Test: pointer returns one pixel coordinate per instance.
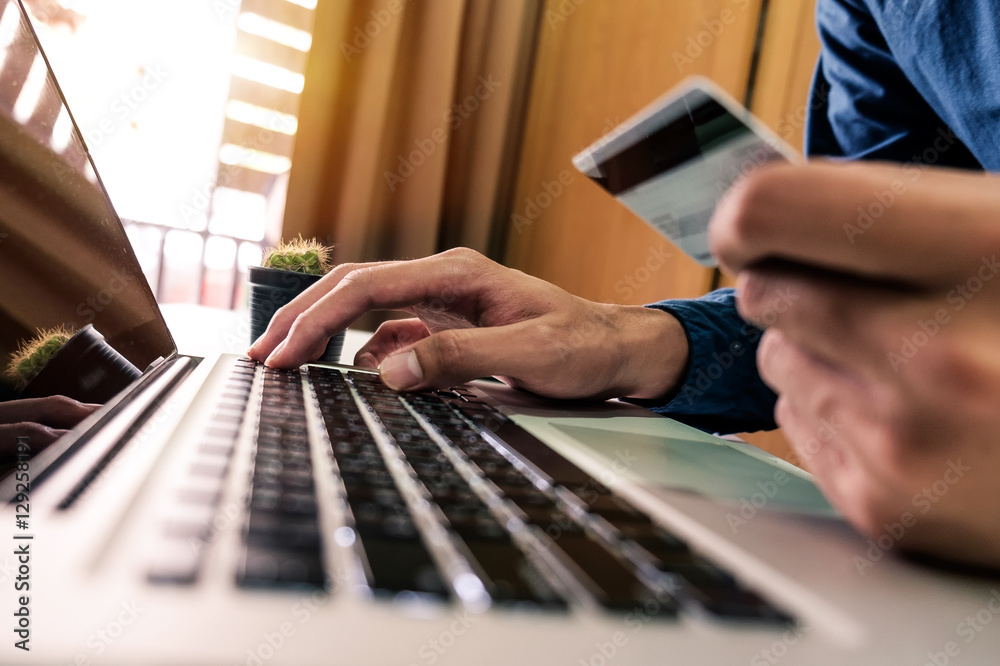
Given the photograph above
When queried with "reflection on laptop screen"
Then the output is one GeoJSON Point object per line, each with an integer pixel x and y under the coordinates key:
{"type": "Point", "coordinates": [65, 259]}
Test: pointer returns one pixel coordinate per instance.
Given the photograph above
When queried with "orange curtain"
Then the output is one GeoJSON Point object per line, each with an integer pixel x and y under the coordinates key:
{"type": "Point", "coordinates": [409, 125]}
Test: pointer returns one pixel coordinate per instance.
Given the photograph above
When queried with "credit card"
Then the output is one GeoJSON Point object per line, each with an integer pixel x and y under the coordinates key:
{"type": "Point", "coordinates": [672, 162]}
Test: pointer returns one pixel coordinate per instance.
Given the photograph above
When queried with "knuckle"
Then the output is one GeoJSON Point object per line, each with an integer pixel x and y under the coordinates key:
{"type": "Point", "coordinates": [301, 326]}
{"type": "Point", "coordinates": [463, 253]}
{"type": "Point", "coordinates": [356, 276]}
{"type": "Point", "coordinates": [60, 401]}
{"type": "Point", "coordinates": [350, 267]}
{"type": "Point", "coordinates": [361, 280]}
{"type": "Point", "coordinates": [65, 404]}
{"type": "Point", "coordinates": [464, 263]}
{"type": "Point", "coordinates": [953, 369]}
{"type": "Point", "coordinates": [54, 405]}
{"type": "Point", "coordinates": [283, 318]}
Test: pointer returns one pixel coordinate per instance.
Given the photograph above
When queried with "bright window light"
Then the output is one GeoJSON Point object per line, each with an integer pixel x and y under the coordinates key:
{"type": "Point", "coordinates": [250, 255]}
{"type": "Point", "coordinates": [83, 7]}
{"type": "Point", "coordinates": [268, 74]}
{"type": "Point", "coordinates": [256, 24]}
{"type": "Point", "coordinates": [32, 90]}
{"type": "Point", "coordinates": [8, 29]}
{"type": "Point", "coordinates": [308, 4]}
{"type": "Point", "coordinates": [238, 213]}
{"type": "Point", "coordinates": [220, 253]}
{"type": "Point", "coordinates": [61, 131]}
{"type": "Point", "coordinates": [88, 172]}
{"type": "Point", "coordinates": [182, 247]}
{"type": "Point", "coordinates": [253, 159]}
{"type": "Point", "coordinates": [260, 116]}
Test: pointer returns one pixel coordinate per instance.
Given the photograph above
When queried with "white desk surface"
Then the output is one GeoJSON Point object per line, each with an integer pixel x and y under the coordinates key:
{"type": "Point", "coordinates": [202, 331]}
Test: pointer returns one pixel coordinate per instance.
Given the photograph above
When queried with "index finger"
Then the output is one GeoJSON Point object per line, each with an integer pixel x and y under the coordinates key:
{"type": "Point", "coordinates": [910, 224]}
{"type": "Point", "coordinates": [443, 278]}
{"type": "Point", "coordinates": [283, 319]}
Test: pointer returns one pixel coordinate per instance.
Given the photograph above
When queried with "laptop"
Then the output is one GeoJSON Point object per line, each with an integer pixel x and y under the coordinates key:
{"type": "Point", "coordinates": [218, 512]}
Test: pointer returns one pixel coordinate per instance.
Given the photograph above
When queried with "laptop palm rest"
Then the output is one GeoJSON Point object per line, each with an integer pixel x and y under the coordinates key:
{"type": "Point", "coordinates": [650, 452]}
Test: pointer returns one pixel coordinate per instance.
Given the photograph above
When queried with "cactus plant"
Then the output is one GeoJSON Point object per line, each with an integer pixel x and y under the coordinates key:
{"type": "Point", "coordinates": [301, 256]}
{"type": "Point", "coordinates": [78, 364]}
{"type": "Point", "coordinates": [32, 355]}
{"type": "Point", "coordinates": [288, 270]}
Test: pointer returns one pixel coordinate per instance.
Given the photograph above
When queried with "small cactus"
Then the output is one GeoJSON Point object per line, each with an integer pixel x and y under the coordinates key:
{"type": "Point", "coordinates": [32, 355]}
{"type": "Point", "coordinates": [301, 256]}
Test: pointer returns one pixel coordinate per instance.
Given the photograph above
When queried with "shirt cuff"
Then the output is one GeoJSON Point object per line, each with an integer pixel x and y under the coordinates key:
{"type": "Point", "coordinates": [722, 390]}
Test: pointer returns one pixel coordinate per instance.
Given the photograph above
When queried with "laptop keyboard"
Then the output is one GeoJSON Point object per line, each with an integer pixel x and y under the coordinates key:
{"type": "Point", "coordinates": [445, 498]}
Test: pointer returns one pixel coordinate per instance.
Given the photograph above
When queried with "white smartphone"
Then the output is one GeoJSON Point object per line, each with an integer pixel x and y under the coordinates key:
{"type": "Point", "coordinates": [671, 162]}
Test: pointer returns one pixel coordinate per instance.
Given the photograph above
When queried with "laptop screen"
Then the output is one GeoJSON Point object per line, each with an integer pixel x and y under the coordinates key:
{"type": "Point", "coordinates": [65, 260]}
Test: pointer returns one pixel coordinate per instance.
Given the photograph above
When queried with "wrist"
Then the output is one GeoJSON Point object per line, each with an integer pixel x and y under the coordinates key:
{"type": "Point", "coordinates": [653, 352]}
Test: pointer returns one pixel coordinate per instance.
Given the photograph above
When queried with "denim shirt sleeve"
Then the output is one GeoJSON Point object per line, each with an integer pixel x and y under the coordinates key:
{"type": "Point", "coordinates": [911, 81]}
{"type": "Point", "coordinates": [722, 390]}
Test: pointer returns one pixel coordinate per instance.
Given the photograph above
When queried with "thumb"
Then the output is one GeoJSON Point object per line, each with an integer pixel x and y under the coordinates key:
{"type": "Point", "coordinates": [453, 356]}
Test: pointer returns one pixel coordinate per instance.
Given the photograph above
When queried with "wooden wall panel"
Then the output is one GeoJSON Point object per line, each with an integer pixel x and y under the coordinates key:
{"type": "Point", "coordinates": [598, 62]}
{"type": "Point", "coordinates": [787, 61]}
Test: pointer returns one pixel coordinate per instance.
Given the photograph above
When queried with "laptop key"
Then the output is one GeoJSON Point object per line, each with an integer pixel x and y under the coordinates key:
{"type": "Point", "coordinates": [267, 566]}
{"type": "Point", "coordinates": [177, 561]}
{"type": "Point", "coordinates": [737, 604]}
{"type": "Point", "coordinates": [281, 530]}
{"type": "Point", "coordinates": [617, 586]}
{"type": "Point", "coordinates": [400, 564]}
{"type": "Point", "coordinates": [510, 578]}
{"type": "Point", "coordinates": [543, 457]}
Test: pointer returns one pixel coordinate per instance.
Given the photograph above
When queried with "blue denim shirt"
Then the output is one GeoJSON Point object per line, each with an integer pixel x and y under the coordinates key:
{"type": "Point", "coordinates": [910, 81]}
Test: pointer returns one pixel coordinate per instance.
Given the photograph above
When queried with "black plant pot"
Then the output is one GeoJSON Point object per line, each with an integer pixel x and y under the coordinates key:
{"type": "Point", "coordinates": [271, 289]}
{"type": "Point", "coordinates": [86, 368]}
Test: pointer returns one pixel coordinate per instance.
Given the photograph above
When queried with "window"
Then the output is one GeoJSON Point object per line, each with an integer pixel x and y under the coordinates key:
{"type": "Point", "coordinates": [189, 108]}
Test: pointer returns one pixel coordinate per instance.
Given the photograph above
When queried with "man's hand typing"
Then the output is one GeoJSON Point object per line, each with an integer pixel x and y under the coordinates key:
{"type": "Point", "coordinates": [473, 318]}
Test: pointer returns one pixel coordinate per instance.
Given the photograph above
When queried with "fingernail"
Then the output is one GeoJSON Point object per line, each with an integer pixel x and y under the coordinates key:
{"type": "Point", "coordinates": [401, 371]}
{"type": "Point", "coordinates": [366, 360]}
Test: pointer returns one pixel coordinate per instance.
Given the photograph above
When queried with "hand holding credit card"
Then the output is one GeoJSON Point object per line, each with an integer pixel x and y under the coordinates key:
{"type": "Point", "coordinates": [672, 162]}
